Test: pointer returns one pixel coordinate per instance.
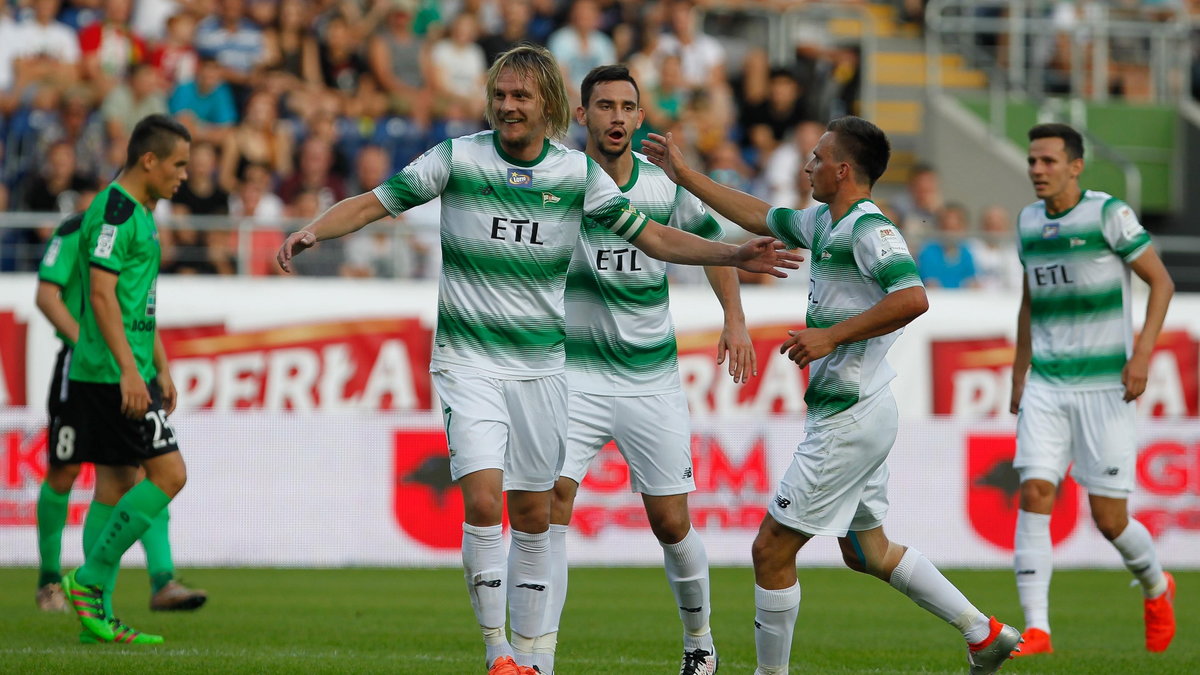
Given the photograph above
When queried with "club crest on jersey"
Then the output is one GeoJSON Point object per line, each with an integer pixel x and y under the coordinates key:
{"type": "Point", "coordinates": [548, 198]}
{"type": "Point", "coordinates": [520, 178]}
{"type": "Point", "coordinates": [1050, 231]}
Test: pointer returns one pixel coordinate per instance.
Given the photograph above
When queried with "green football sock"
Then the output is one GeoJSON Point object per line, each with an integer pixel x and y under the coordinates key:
{"type": "Point", "coordinates": [51, 519]}
{"type": "Point", "coordinates": [97, 517]}
{"type": "Point", "coordinates": [157, 543]}
{"type": "Point", "coordinates": [130, 519]}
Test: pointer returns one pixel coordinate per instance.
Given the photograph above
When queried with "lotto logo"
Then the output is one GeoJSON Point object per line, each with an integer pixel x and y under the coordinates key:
{"type": "Point", "coordinates": [522, 178]}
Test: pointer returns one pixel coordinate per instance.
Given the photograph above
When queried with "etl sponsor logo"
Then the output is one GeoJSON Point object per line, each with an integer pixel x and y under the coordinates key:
{"type": "Point", "coordinates": [973, 378]}
{"type": "Point", "coordinates": [993, 493]}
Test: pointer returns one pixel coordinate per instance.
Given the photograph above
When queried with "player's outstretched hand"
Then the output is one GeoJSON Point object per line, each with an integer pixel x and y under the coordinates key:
{"type": "Point", "coordinates": [295, 243]}
{"type": "Point", "coordinates": [663, 153]}
{"type": "Point", "coordinates": [735, 341]}
{"type": "Point", "coordinates": [807, 345]}
{"type": "Point", "coordinates": [767, 255]}
{"type": "Point", "coordinates": [135, 396]}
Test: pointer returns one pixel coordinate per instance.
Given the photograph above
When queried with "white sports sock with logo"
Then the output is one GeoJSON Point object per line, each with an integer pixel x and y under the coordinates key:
{"type": "Point", "coordinates": [775, 613]}
{"type": "Point", "coordinates": [1137, 550]}
{"type": "Point", "coordinates": [917, 578]}
{"type": "Point", "coordinates": [485, 570]}
{"type": "Point", "coordinates": [528, 586]}
{"type": "Point", "coordinates": [1033, 563]}
{"type": "Point", "coordinates": [686, 564]}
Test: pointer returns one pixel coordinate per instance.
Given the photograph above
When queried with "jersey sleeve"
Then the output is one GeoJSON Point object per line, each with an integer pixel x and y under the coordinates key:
{"type": "Point", "coordinates": [58, 262]}
{"type": "Point", "coordinates": [882, 254]}
{"type": "Point", "coordinates": [604, 205]}
{"type": "Point", "coordinates": [109, 241]}
{"type": "Point", "coordinates": [688, 214]}
{"type": "Point", "coordinates": [419, 182]}
{"type": "Point", "coordinates": [792, 227]}
{"type": "Point", "coordinates": [1122, 231]}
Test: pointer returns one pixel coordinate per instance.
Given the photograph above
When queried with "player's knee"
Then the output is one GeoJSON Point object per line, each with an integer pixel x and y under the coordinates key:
{"type": "Point", "coordinates": [1111, 525]}
{"type": "Point", "coordinates": [482, 508]}
{"type": "Point", "coordinates": [853, 561]}
{"type": "Point", "coordinates": [1037, 495]}
{"type": "Point", "coordinates": [670, 527]}
{"type": "Point", "coordinates": [61, 477]}
{"type": "Point", "coordinates": [765, 553]}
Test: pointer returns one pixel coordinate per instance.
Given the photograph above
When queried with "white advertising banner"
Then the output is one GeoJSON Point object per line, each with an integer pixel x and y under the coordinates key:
{"type": "Point", "coordinates": [372, 488]}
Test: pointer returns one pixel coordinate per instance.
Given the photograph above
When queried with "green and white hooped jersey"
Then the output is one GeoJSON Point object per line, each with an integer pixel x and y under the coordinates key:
{"type": "Point", "coordinates": [1077, 267]}
{"type": "Point", "coordinates": [508, 231]}
{"type": "Point", "coordinates": [620, 337]}
{"type": "Point", "coordinates": [854, 263]}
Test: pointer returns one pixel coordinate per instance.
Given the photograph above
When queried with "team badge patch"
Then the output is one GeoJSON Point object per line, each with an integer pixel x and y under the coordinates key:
{"type": "Point", "coordinates": [548, 198]}
{"type": "Point", "coordinates": [1050, 231]}
{"type": "Point", "coordinates": [520, 178]}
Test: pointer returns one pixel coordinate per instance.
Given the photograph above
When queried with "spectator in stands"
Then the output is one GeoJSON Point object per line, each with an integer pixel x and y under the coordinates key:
{"type": "Point", "coordinates": [339, 64]}
{"type": "Point", "coordinates": [290, 40]}
{"type": "Point", "coordinates": [57, 185]}
{"type": "Point", "coordinates": [75, 123]}
{"type": "Point", "coordinates": [175, 56]}
{"type": "Point", "coordinates": [665, 102]}
{"type": "Point", "coordinates": [400, 63]}
{"type": "Point", "coordinates": [580, 46]}
{"type": "Point", "coordinates": [516, 16]}
{"type": "Point", "coordinates": [945, 261]}
{"type": "Point", "coordinates": [235, 42]}
{"type": "Point", "coordinates": [783, 109]}
{"type": "Point", "coordinates": [205, 105]}
{"type": "Point", "coordinates": [328, 258]}
{"type": "Point", "coordinates": [260, 138]}
{"type": "Point", "coordinates": [314, 172]}
{"type": "Point", "coordinates": [187, 248]}
{"type": "Point", "coordinates": [919, 204]}
{"type": "Point", "coordinates": [752, 87]}
{"type": "Point", "coordinates": [997, 265]}
{"type": "Point", "coordinates": [260, 213]}
{"type": "Point", "coordinates": [9, 91]}
{"type": "Point", "coordinates": [458, 66]}
{"type": "Point", "coordinates": [47, 51]}
{"type": "Point", "coordinates": [139, 95]}
{"type": "Point", "coordinates": [783, 174]}
{"type": "Point", "coordinates": [110, 48]}
{"type": "Point", "coordinates": [150, 17]}
{"type": "Point", "coordinates": [702, 56]}
{"type": "Point", "coordinates": [372, 167]}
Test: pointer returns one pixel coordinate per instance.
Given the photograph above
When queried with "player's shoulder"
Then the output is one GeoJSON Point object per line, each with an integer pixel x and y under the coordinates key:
{"type": "Point", "coordinates": [868, 217]}
{"type": "Point", "coordinates": [111, 207]}
{"type": "Point", "coordinates": [70, 225]}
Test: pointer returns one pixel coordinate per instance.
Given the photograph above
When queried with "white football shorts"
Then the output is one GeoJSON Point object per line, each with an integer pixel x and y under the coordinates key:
{"type": "Point", "coordinates": [1092, 428]}
{"type": "Point", "coordinates": [653, 434]}
{"type": "Point", "coordinates": [517, 426]}
{"type": "Point", "coordinates": [837, 481]}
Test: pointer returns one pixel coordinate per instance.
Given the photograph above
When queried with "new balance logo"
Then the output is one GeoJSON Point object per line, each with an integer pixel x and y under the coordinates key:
{"type": "Point", "coordinates": [532, 587]}
{"type": "Point", "coordinates": [757, 625]}
{"type": "Point", "coordinates": [490, 583]}
{"type": "Point", "coordinates": [692, 610]}
{"type": "Point", "coordinates": [781, 502]}
{"type": "Point", "coordinates": [1026, 572]}
{"type": "Point", "coordinates": [687, 473]}
{"type": "Point", "coordinates": [486, 190]}
{"type": "Point", "coordinates": [1112, 471]}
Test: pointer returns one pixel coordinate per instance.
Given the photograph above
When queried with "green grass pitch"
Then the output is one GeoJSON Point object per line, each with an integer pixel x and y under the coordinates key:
{"type": "Point", "coordinates": [616, 621]}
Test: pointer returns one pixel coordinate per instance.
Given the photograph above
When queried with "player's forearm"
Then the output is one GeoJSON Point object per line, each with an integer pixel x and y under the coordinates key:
{"type": "Point", "coordinates": [747, 211]}
{"type": "Point", "coordinates": [160, 354]}
{"type": "Point", "coordinates": [676, 246]}
{"type": "Point", "coordinates": [347, 216]}
{"type": "Point", "coordinates": [1162, 289]}
{"type": "Point", "coordinates": [1023, 354]}
{"type": "Point", "coordinates": [51, 305]}
{"type": "Point", "coordinates": [724, 283]}
{"type": "Point", "coordinates": [112, 328]}
{"type": "Point", "coordinates": [895, 311]}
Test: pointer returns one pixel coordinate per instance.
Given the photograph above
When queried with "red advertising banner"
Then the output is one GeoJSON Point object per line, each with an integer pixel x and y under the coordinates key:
{"type": "Point", "coordinates": [973, 378]}
{"type": "Point", "coordinates": [376, 364]}
{"type": "Point", "coordinates": [12, 360]}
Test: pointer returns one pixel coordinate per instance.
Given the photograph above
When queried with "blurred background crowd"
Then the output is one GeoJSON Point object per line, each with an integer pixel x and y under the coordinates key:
{"type": "Point", "coordinates": [296, 104]}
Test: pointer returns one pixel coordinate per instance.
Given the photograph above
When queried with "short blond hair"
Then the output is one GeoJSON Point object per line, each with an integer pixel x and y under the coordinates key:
{"type": "Point", "coordinates": [535, 61]}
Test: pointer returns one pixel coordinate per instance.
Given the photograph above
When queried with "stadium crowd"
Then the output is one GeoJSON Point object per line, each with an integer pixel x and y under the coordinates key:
{"type": "Point", "coordinates": [295, 104]}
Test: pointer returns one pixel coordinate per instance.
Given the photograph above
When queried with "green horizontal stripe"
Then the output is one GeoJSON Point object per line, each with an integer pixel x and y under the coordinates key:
{"type": "Point", "coordinates": [594, 351]}
{"type": "Point", "coordinates": [523, 336]}
{"type": "Point", "coordinates": [585, 285]}
{"type": "Point", "coordinates": [483, 261]}
{"type": "Point", "coordinates": [1077, 304]}
{"type": "Point", "coordinates": [1080, 367]}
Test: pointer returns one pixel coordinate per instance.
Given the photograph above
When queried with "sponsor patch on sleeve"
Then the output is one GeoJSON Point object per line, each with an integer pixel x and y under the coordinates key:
{"type": "Point", "coordinates": [890, 241]}
{"type": "Point", "coordinates": [104, 244]}
{"type": "Point", "coordinates": [1130, 227]}
{"type": "Point", "coordinates": [52, 252]}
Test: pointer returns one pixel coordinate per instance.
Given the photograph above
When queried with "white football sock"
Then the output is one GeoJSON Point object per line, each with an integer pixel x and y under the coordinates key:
{"type": "Point", "coordinates": [547, 643]}
{"type": "Point", "coordinates": [686, 564]}
{"type": "Point", "coordinates": [1137, 550]}
{"type": "Point", "coordinates": [484, 569]}
{"type": "Point", "coordinates": [775, 613]}
{"type": "Point", "coordinates": [917, 578]}
{"type": "Point", "coordinates": [1033, 563]}
{"type": "Point", "coordinates": [528, 584]}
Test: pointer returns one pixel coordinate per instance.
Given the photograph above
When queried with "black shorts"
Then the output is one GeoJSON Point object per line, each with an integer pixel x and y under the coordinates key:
{"type": "Point", "coordinates": [56, 400]}
{"type": "Point", "coordinates": [92, 428]}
